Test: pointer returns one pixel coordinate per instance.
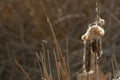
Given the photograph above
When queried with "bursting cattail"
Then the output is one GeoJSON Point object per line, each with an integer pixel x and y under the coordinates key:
{"type": "Point", "coordinates": [93, 44]}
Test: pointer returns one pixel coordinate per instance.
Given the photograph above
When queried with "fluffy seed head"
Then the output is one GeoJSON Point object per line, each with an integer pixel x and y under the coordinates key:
{"type": "Point", "coordinates": [93, 32]}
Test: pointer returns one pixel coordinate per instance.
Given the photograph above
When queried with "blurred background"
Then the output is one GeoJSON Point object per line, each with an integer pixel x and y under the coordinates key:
{"type": "Point", "coordinates": [23, 29]}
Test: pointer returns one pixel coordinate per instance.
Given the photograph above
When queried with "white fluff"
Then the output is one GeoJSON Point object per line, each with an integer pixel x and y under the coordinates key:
{"type": "Point", "coordinates": [93, 32]}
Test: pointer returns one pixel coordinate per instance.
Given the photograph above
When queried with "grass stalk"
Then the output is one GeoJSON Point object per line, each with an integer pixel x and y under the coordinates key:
{"type": "Point", "coordinates": [22, 69]}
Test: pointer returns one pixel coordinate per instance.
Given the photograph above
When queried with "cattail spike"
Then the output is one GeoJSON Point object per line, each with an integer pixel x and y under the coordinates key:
{"type": "Point", "coordinates": [88, 56]}
{"type": "Point", "coordinates": [95, 46]}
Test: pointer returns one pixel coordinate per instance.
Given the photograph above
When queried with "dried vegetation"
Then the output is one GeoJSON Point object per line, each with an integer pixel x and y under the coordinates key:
{"type": "Point", "coordinates": [25, 36]}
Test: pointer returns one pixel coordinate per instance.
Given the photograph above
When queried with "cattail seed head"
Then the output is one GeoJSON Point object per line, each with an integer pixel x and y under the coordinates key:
{"type": "Point", "coordinates": [93, 32]}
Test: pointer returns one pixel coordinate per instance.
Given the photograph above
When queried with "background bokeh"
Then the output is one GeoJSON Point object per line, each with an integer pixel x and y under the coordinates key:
{"type": "Point", "coordinates": [23, 28]}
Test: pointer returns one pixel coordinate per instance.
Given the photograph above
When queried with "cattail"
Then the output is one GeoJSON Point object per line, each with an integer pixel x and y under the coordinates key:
{"type": "Point", "coordinates": [93, 33]}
